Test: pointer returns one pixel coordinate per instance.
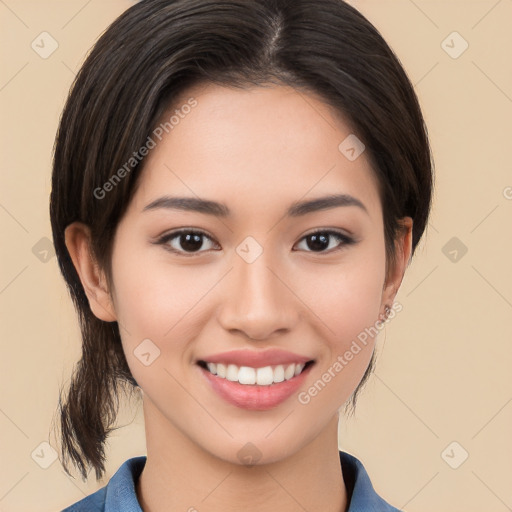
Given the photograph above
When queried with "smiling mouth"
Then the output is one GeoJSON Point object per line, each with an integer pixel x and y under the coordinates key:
{"type": "Point", "coordinates": [265, 376]}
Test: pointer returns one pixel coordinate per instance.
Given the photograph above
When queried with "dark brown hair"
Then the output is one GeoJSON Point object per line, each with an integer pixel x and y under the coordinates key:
{"type": "Point", "coordinates": [147, 57]}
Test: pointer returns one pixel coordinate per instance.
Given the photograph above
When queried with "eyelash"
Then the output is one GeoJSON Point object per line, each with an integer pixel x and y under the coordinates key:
{"type": "Point", "coordinates": [343, 238]}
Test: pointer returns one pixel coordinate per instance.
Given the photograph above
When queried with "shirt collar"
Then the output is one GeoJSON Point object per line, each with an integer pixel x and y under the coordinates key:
{"type": "Point", "coordinates": [361, 495]}
{"type": "Point", "coordinates": [120, 492]}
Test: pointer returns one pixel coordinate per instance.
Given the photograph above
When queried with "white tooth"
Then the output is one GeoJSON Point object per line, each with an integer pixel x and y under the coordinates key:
{"type": "Point", "coordinates": [232, 372]}
{"type": "Point", "coordinates": [289, 372]}
{"type": "Point", "coordinates": [264, 376]}
{"type": "Point", "coordinates": [279, 373]}
{"type": "Point", "coordinates": [247, 375]}
{"type": "Point", "coordinates": [299, 368]}
{"type": "Point", "coordinates": [221, 370]}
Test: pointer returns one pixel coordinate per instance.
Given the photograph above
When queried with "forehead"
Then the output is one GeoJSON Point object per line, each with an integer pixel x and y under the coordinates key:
{"type": "Point", "coordinates": [260, 145]}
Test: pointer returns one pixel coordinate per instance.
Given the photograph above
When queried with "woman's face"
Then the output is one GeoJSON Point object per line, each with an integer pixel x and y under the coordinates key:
{"type": "Point", "coordinates": [255, 278]}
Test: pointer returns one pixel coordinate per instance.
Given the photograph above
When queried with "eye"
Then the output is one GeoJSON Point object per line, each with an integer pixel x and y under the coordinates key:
{"type": "Point", "coordinates": [189, 240]}
{"type": "Point", "coordinates": [320, 240]}
{"type": "Point", "coordinates": [186, 242]}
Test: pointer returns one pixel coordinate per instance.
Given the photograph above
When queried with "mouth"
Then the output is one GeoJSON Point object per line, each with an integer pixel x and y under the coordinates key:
{"type": "Point", "coordinates": [255, 388]}
{"type": "Point", "coordinates": [261, 376]}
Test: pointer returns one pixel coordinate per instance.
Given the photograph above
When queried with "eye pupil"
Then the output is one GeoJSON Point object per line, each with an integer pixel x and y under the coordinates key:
{"type": "Point", "coordinates": [318, 242]}
{"type": "Point", "coordinates": [191, 242]}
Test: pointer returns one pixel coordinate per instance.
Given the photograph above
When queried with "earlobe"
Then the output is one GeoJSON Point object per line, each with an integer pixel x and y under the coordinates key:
{"type": "Point", "coordinates": [78, 243]}
{"type": "Point", "coordinates": [403, 249]}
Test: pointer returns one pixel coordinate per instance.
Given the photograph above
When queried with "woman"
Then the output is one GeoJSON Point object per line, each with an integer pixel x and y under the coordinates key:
{"type": "Point", "coordinates": [237, 190]}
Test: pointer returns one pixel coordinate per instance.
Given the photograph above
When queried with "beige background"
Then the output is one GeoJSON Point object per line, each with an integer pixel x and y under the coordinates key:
{"type": "Point", "coordinates": [444, 372]}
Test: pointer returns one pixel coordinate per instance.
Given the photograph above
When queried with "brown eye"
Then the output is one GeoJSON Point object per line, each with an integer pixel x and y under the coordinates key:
{"type": "Point", "coordinates": [186, 242]}
{"type": "Point", "coordinates": [321, 241]}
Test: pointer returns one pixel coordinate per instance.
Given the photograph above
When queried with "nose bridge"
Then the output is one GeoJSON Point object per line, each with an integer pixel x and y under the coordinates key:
{"type": "Point", "coordinates": [257, 301]}
{"type": "Point", "coordinates": [257, 282]}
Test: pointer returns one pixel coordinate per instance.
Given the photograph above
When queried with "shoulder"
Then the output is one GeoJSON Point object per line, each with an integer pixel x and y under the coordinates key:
{"type": "Point", "coordinates": [361, 494]}
{"type": "Point", "coordinates": [118, 495]}
{"type": "Point", "coordinates": [95, 502]}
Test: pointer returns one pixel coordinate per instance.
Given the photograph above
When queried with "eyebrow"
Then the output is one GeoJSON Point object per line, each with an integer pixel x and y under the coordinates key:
{"type": "Point", "coordinates": [296, 209]}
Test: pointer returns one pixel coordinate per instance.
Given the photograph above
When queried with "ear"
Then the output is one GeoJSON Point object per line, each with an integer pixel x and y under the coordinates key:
{"type": "Point", "coordinates": [396, 269]}
{"type": "Point", "coordinates": [78, 243]}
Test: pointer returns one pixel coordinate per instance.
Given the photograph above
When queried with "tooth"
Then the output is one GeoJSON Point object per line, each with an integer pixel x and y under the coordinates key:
{"type": "Point", "coordinates": [279, 373]}
{"type": "Point", "coordinates": [264, 376]}
{"type": "Point", "coordinates": [232, 372]}
{"type": "Point", "coordinates": [299, 368]}
{"type": "Point", "coordinates": [246, 375]}
{"type": "Point", "coordinates": [221, 370]}
{"type": "Point", "coordinates": [289, 372]}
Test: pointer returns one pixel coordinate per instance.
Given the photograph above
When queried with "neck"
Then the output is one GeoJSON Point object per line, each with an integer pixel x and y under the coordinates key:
{"type": "Point", "coordinates": [179, 475]}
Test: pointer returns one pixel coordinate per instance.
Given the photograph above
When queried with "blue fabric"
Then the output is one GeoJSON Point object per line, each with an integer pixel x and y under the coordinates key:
{"type": "Point", "coordinates": [119, 494]}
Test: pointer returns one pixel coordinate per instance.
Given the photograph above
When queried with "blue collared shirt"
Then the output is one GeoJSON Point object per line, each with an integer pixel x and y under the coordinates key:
{"type": "Point", "coordinates": [119, 494]}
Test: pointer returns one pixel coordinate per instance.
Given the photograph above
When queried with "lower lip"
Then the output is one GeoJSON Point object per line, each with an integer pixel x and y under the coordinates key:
{"type": "Point", "coordinates": [254, 397]}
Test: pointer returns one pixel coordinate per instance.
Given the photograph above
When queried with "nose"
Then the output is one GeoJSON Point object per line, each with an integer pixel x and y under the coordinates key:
{"type": "Point", "coordinates": [257, 300]}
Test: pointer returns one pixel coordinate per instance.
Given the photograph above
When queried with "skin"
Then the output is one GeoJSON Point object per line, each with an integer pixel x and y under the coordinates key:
{"type": "Point", "coordinates": [256, 150]}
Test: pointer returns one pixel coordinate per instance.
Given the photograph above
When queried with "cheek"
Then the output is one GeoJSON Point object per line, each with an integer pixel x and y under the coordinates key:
{"type": "Point", "coordinates": [347, 303]}
{"type": "Point", "coordinates": [161, 302]}
{"type": "Point", "coordinates": [346, 298]}
{"type": "Point", "coordinates": [155, 307]}
{"type": "Point", "coordinates": [152, 296]}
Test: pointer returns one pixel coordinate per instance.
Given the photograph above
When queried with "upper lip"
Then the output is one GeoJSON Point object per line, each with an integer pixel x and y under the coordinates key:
{"type": "Point", "coordinates": [256, 359]}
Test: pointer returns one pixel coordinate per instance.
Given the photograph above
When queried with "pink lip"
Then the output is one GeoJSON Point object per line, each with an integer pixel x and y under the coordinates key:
{"type": "Point", "coordinates": [257, 359]}
{"type": "Point", "coordinates": [254, 397]}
